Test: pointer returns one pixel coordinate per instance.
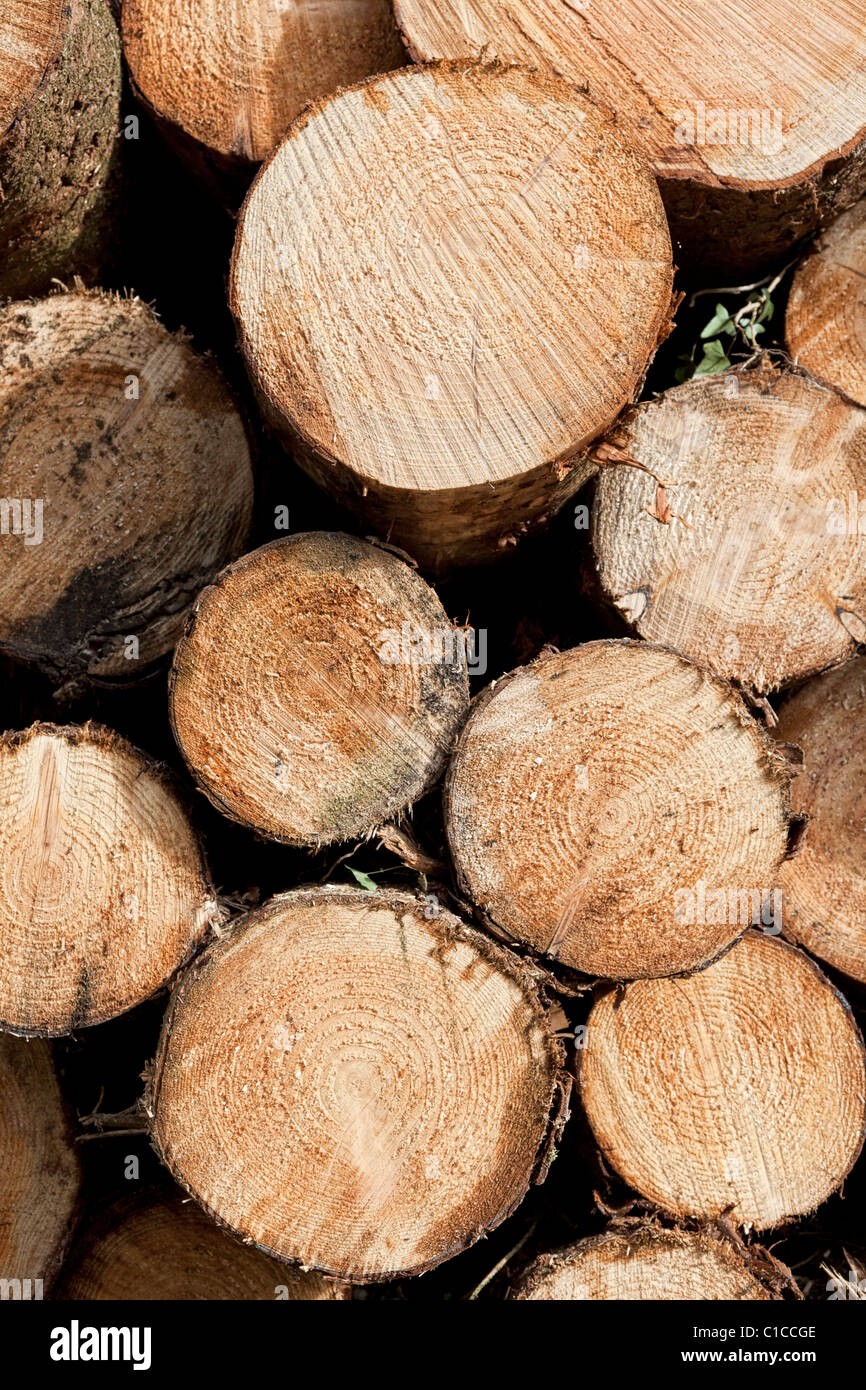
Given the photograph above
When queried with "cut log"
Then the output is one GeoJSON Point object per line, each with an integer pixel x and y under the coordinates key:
{"type": "Point", "coordinates": [357, 1082]}
{"type": "Point", "coordinates": [824, 886]}
{"type": "Point", "coordinates": [39, 1167]}
{"type": "Point", "coordinates": [617, 808]}
{"type": "Point", "coordinates": [319, 689]}
{"type": "Point", "coordinates": [161, 1249]}
{"type": "Point", "coordinates": [825, 323]}
{"type": "Point", "coordinates": [60, 86]}
{"type": "Point", "coordinates": [721, 101]}
{"type": "Point", "coordinates": [447, 283]}
{"type": "Point", "coordinates": [739, 1090]}
{"type": "Point", "coordinates": [126, 485]}
{"type": "Point", "coordinates": [263, 61]}
{"type": "Point", "coordinates": [103, 891]}
{"type": "Point", "coordinates": [751, 563]}
{"type": "Point", "coordinates": [647, 1264]}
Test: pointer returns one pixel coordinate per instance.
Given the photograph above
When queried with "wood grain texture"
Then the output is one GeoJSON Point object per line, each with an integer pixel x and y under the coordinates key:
{"type": "Point", "coordinates": [593, 792]}
{"type": "Point", "coordinates": [132, 447]}
{"type": "Point", "coordinates": [355, 1086]}
{"type": "Point", "coordinates": [60, 91]}
{"type": "Point", "coordinates": [761, 576]}
{"type": "Point", "coordinates": [103, 891]}
{"type": "Point", "coordinates": [297, 698]}
{"type": "Point", "coordinates": [751, 113]}
{"type": "Point", "coordinates": [824, 886]}
{"type": "Point", "coordinates": [741, 1089]}
{"type": "Point", "coordinates": [31, 32]}
{"type": "Point", "coordinates": [825, 324]}
{"type": "Point", "coordinates": [257, 64]}
{"type": "Point", "coordinates": [447, 282]}
{"type": "Point", "coordinates": [39, 1170]}
{"type": "Point", "coordinates": [164, 1248]}
{"type": "Point", "coordinates": [647, 1265]}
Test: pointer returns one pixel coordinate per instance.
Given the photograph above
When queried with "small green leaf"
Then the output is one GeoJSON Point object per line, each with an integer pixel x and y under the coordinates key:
{"type": "Point", "coordinates": [768, 311]}
{"type": "Point", "coordinates": [719, 323]}
{"type": "Point", "coordinates": [752, 330]}
{"type": "Point", "coordinates": [714, 349]}
{"type": "Point", "coordinates": [714, 360]}
{"type": "Point", "coordinates": [364, 879]}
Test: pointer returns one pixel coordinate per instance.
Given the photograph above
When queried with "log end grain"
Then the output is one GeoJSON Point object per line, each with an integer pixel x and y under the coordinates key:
{"type": "Point", "coordinates": [825, 323]}
{"type": "Point", "coordinates": [354, 1086]}
{"type": "Point", "coordinates": [60, 92]}
{"type": "Point", "coordinates": [126, 485]}
{"type": "Point", "coordinates": [649, 1264]}
{"type": "Point", "coordinates": [31, 33]}
{"type": "Point", "coordinates": [740, 1090]}
{"type": "Point", "coordinates": [303, 697]}
{"type": "Point", "coordinates": [39, 1169]}
{"type": "Point", "coordinates": [263, 63]}
{"type": "Point", "coordinates": [103, 891]}
{"type": "Point", "coordinates": [600, 799]}
{"type": "Point", "coordinates": [165, 1249]}
{"type": "Point", "coordinates": [760, 574]}
{"type": "Point", "coordinates": [445, 315]}
{"type": "Point", "coordinates": [824, 885]}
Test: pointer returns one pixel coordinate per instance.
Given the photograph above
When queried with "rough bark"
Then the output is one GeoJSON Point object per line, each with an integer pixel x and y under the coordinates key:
{"type": "Point", "coordinates": [754, 125]}
{"type": "Point", "coordinates": [746, 560]}
{"type": "Point", "coordinates": [319, 689]}
{"type": "Point", "coordinates": [649, 1264]}
{"type": "Point", "coordinates": [39, 1170]}
{"type": "Point", "coordinates": [59, 131]}
{"type": "Point", "coordinates": [162, 1248]}
{"type": "Point", "coordinates": [264, 62]}
{"type": "Point", "coordinates": [740, 1090]}
{"type": "Point", "coordinates": [355, 1085]}
{"type": "Point", "coordinates": [824, 886]}
{"type": "Point", "coordinates": [594, 795]}
{"type": "Point", "coordinates": [826, 318]}
{"type": "Point", "coordinates": [447, 282]}
{"type": "Point", "coordinates": [103, 891]}
{"type": "Point", "coordinates": [131, 448]}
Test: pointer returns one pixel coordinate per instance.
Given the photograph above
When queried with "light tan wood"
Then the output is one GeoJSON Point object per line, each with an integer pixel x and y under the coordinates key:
{"type": "Point", "coordinates": [601, 803]}
{"type": "Point", "coordinates": [60, 89]}
{"type": "Point", "coordinates": [825, 323]}
{"type": "Point", "coordinates": [647, 1264]}
{"type": "Point", "coordinates": [30, 35]}
{"type": "Point", "coordinates": [760, 575]}
{"type": "Point", "coordinates": [741, 1089]}
{"type": "Point", "coordinates": [299, 697]}
{"type": "Point", "coordinates": [752, 113]}
{"type": "Point", "coordinates": [127, 455]}
{"type": "Point", "coordinates": [166, 1249]}
{"type": "Point", "coordinates": [103, 891]}
{"type": "Point", "coordinates": [39, 1171]}
{"type": "Point", "coordinates": [232, 74]}
{"type": "Point", "coordinates": [824, 886]}
{"type": "Point", "coordinates": [357, 1085]}
{"type": "Point", "coordinates": [447, 282]}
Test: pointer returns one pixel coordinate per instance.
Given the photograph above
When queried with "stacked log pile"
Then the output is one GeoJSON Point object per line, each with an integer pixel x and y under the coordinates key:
{"type": "Point", "coordinates": [433, 780]}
